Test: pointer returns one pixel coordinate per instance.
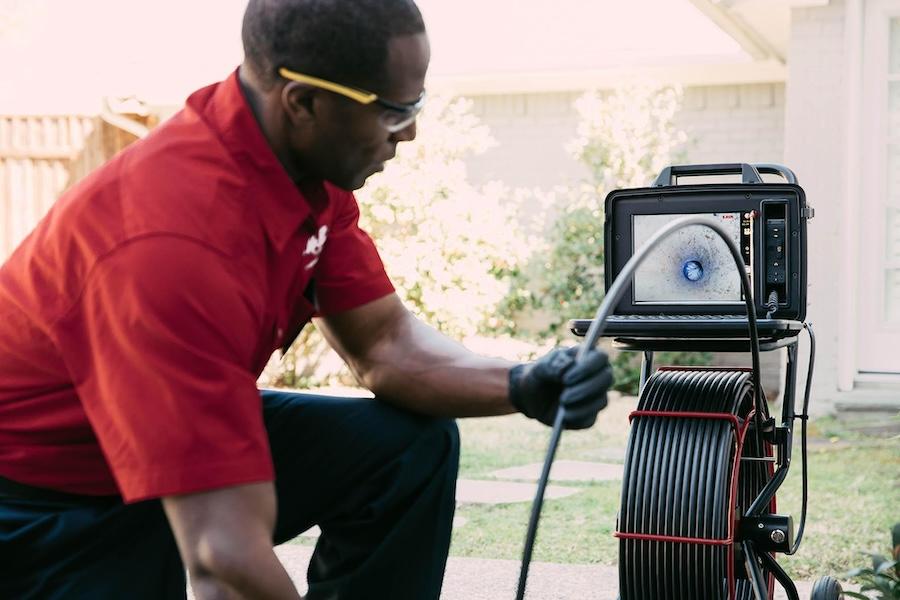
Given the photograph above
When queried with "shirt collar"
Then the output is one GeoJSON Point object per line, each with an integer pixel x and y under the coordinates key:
{"type": "Point", "coordinates": [282, 207]}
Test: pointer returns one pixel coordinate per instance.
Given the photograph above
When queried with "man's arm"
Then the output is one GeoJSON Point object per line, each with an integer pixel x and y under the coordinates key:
{"type": "Point", "coordinates": [225, 540]}
{"type": "Point", "coordinates": [409, 363]}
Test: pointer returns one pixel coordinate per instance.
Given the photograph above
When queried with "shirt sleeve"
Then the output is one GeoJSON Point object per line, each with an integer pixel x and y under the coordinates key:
{"type": "Point", "coordinates": [159, 346]}
{"type": "Point", "coordinates": [350, 272]}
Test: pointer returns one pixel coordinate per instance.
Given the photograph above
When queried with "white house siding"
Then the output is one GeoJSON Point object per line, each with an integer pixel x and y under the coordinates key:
{"type": "Point", "coordinates": [723, 123]}
{"type": "Point", "coordinates": [815, 149]}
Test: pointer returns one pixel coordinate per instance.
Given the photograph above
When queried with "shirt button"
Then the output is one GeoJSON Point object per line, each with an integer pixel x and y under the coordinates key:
{"type": "Point", "coordinates": [280, 332]}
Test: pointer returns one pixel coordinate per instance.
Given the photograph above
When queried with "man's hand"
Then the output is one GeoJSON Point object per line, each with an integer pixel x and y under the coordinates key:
{"type": "Point", "coordinates": [537, 389]}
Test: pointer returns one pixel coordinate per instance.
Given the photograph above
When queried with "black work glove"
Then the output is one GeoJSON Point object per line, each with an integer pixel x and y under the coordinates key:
{"type": "Point", "coordinates": [537, 389]}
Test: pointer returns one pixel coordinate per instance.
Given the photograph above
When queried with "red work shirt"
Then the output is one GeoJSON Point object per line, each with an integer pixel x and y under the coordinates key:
{"type": "Point", "coordinates": [136, 318]}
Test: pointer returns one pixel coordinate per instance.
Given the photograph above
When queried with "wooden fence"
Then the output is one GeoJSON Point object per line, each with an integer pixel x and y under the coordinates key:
{"type": "Point", "coordinates": [41, 156]}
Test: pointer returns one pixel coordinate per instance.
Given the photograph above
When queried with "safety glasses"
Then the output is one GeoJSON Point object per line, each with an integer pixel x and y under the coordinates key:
{"type": "Point", "coordinates": [394, 118]}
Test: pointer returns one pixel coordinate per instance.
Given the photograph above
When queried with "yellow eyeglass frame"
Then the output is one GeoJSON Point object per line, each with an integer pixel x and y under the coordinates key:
{"type": "Point", "coordinates": [396, 118]}
{"type": "Point", "coordinates": [361, 96]}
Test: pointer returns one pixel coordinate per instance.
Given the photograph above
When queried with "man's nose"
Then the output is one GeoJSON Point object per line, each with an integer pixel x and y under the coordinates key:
{"type": "Point", "coordinates": [407, 134]}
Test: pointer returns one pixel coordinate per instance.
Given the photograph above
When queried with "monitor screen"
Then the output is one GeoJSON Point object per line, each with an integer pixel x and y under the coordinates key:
{"type": "Point", "coordinates": [693, 265]}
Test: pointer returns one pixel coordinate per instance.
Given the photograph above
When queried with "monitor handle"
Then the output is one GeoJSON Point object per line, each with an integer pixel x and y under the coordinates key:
{"type": "Point", "coordinates": [774, 169]}
{"type": "Point", "coordinates": [750, 173]}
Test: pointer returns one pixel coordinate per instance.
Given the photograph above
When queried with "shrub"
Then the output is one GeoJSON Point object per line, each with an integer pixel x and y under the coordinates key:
{"type": "Point", "coordinates": [624, 138]}
{"type": "Point", "coordinates": [883, 577]}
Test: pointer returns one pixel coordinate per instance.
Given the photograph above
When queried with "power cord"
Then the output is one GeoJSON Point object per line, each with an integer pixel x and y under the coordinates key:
{"type": "Point", "coordinates": [804, 418]}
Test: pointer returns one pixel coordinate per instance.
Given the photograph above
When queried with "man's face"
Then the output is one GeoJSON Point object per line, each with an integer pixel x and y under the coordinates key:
{"type": "Point", "coordinates": [351, 142]}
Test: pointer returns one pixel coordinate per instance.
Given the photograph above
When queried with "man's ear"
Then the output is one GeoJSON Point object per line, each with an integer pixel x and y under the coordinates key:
{"type": "Point", "coordinates": [297, 102]}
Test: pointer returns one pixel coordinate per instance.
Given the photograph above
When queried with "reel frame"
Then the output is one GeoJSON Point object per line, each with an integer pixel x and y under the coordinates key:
{"type": "Point", "coordinates": [758, 533]}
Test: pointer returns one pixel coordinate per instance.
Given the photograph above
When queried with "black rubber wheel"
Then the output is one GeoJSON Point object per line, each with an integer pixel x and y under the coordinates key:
{"type": "Point", "coordinates": [826, 588]}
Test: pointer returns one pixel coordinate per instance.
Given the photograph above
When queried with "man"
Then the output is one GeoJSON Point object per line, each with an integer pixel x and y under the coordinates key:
{"type": "Point", "coordinates": [136, 318]}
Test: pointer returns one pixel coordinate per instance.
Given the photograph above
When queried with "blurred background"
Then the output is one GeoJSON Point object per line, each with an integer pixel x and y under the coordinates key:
{"type": "Point", "coordinates": [491, 224]}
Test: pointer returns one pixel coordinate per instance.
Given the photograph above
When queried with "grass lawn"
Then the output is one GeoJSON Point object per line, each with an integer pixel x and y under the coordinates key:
{"type": "Point", "coordinates": [854, 483]}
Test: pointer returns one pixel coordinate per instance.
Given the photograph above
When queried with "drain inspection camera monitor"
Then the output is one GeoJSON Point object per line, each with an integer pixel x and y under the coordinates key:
{"type": "Point", "coordinates": [692, 272]}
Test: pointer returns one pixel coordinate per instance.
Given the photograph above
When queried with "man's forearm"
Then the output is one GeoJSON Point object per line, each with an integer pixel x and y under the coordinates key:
{"type": "Point", "coordinates": [261, 575]}
{"type": "Point", "coordinates": [419, 368]}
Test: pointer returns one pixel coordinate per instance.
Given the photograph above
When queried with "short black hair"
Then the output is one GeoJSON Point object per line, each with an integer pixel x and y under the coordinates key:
{"type": "Point", "coordinates": [340, 40]}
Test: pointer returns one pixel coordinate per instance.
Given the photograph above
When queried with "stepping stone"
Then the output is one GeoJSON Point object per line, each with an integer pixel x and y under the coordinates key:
{"type": "Point", "coordinates": [314, 531]}
{"type": "Point", "coordinates": [504, 492]}
{"type": "Point", "coordinates": [565, 470]}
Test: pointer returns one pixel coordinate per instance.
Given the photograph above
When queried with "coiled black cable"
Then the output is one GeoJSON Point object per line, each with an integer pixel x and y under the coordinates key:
{"type": "Point", "coordinates": [677, 483]}
{"type": "Point", "coordinates": [613, 295]}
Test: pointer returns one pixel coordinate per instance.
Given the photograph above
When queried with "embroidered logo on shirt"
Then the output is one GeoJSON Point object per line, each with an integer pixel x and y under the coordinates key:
{"type": "Point", "coordinates": [314, 246]}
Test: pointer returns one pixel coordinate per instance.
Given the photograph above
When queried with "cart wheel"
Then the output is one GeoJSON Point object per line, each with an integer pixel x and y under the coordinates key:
{"type": "Point", "coordinates": [826, 588]}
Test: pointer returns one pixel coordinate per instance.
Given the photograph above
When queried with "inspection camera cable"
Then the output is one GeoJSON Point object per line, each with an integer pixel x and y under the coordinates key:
{"type": "Point", "coordinates": [616, 290]}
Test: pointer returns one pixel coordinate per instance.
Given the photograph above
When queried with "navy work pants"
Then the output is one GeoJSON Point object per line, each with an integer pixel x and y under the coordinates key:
{"type": "Point", "coordinates": [378, 481]}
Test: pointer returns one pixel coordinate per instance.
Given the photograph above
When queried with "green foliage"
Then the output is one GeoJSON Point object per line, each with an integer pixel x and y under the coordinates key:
{"type": "Point", "coordinates": [438, 234]}
{"type": "Point", "coordinates": [624, 139]}
{"type": "Point", "coordinates": [883, 577]}
{"type": "Point", "coordinates": [310, 362]}
{"type": "Point", "coordinates": [627, 136]}
{"type": "Point", "coordinates": [627, 366]}
{"type": "Point", "coordinates": [563, 277]}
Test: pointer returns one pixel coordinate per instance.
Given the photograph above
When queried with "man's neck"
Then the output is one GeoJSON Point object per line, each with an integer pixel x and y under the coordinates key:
{"type": "Point", "coordinates": [271, 129]}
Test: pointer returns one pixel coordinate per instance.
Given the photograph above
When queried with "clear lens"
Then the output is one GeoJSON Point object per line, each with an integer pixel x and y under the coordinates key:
{"type": "Point", "coordinates": [395, 121]}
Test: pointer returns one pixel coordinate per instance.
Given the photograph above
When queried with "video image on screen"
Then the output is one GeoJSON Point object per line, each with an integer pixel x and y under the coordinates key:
{"type": "Point", "coordinates": [691, 266]}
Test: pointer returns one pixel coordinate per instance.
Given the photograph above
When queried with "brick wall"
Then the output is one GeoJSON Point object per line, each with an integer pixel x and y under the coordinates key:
{"type": "Point", "coordinates": [734, 123]}
{"type": "Point", "coordinates": [531, 131]}
{"type": "Point", "coordinates": [723, 124]}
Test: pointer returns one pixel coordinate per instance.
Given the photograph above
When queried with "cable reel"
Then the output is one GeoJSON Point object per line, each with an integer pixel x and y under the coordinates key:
{"type": "Point", "coordinates": [692, 464]}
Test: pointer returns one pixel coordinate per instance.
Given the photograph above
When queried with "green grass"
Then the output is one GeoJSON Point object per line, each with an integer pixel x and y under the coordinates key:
{"type": "Point", "coordinates": [576, 529]}
{"type": "Point", "coordinates": [854, 490]}
{"type": "Point", "coordinates": [854, 494]}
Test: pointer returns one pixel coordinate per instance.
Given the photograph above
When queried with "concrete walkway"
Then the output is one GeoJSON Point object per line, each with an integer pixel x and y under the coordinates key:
{"type": "Point", "coordinates": [565, 470]}
{"type": "Point", "coordinates": [493, 579]}
{"type": "Point", "coordinates": [474, 491]}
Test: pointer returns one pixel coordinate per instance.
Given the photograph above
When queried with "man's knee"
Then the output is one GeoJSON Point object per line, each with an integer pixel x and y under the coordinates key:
{"type": "Point", "coordinates": [434, 452]}
{"type": "Point", "coordinates": [444, 436]}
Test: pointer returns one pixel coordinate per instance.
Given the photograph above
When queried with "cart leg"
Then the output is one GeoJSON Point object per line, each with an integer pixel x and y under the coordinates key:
{"type": "Point", "coordinates": [789, 588]}
{"type": "Point", "coordinates": [646, 369]}
{"type": "Point", "coordinates": [754, 573]}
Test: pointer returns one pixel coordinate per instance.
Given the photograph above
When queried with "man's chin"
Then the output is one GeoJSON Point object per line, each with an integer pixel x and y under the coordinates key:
{"type": "Point", "coordinates": [348, 185]}
{"type": "Point", "coordinates": [359, 180]}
